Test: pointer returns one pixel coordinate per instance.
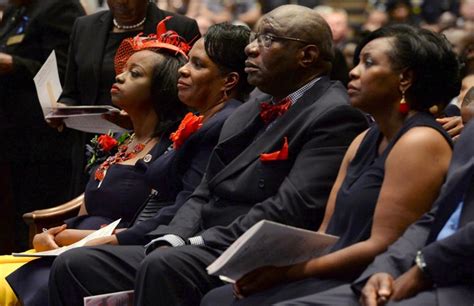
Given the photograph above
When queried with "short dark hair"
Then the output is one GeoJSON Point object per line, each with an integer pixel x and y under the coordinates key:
{"type": "Point", "coordinates": [429, 56]}
{"type": "Point", "coordinates": [225, 45]}
{"type": "Point", "coordinates": [164, 91]}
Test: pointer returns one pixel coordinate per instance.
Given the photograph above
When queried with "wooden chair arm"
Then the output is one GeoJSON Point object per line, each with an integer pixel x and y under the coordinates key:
{"type": "Point", "coordinates": [54, 216]}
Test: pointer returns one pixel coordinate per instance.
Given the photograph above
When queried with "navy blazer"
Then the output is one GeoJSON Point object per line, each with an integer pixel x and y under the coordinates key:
{"type": "Point", "coordinates": [450, 260]}
{"type": "Point", "coordinates": [239, 189]}
{"type": "Point", "coordinates": [179, 173]}
{"type": "Point", "coordinates": [86, 50]}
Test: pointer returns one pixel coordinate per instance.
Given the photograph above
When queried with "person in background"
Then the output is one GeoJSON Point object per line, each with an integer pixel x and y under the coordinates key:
{"type": "Point", "coordinates": [90, 75]}
{"type": "Point", "coordinates": [338, 21]}
{"type": "Point", "coordinates": [371, 202]}
{"type": "Point", "coordinates": [35, 160]}
{"type": "Point", "coordinates": [217, 11]}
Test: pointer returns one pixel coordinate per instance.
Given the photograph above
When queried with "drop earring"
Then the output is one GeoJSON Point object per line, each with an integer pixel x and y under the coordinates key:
{"type": "Point", "coordinates": [403, 107]}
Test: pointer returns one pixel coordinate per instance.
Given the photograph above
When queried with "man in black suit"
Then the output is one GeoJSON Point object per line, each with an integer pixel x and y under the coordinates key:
{"type": "Point", "coordinates": [307, 125]}
{"type": "Point", "coordinates": [432, 263]}
{"type": "Point", "coordinates": [34, 156]}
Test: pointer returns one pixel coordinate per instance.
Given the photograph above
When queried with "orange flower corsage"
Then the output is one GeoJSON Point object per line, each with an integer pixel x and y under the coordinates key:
{"type": "Point", "coordinates": [190, 124]}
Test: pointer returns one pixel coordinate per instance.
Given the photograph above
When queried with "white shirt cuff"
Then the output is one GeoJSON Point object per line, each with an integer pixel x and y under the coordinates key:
{"type": "Point", "coordinates": [169, 239]}
{"type": "Point", "coordinates": [196, 240]}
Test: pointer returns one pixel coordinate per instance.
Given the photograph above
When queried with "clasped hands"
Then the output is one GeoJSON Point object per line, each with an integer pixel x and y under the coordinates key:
{"type": "Point", "coordinates": [381, 287]}
{"type": "Point", "coordinates": [58, 236]}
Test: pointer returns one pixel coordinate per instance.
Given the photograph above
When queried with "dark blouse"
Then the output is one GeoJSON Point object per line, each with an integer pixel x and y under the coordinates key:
{"type": "Point", "coordinates": [359, 192]}
{"type": "Point", "coordinates": [121, 194]}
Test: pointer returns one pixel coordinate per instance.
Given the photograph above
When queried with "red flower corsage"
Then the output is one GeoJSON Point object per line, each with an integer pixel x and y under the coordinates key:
{"type": "Point", "coordinates": [190, 124]}
{"type": "Point", "coordinates": [277, 155]}
{"type": "Point", "coordinates": [106, 142]}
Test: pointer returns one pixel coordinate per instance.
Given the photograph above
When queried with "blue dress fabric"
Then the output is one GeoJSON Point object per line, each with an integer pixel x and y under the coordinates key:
{"type": "Point", "coordinates": [359, 192]}
{"type": "Point", "coordinates": [120, 195]}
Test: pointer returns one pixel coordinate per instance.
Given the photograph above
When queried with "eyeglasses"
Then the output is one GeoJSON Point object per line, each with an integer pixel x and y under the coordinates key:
{"type": "Point", "coordinates": [266, 40]}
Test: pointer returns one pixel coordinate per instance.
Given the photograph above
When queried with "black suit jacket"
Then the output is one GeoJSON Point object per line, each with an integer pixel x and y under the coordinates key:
{"type": "Point", "coordinates": [86, 50]}
{"type": "Point", "coordinates": [450, 260]}
{"type": "Point", "coordinates": [45, 25]}
{"type": "Point", "coordinates": [184, 173]}
{"type": "Point", "coordinates": [239, 189]}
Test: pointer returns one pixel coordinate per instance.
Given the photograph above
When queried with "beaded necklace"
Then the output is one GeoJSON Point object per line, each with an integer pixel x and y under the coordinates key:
{"type": "Point", "coordinates": [130, 27]}
{"type": "Point", "coordinates": [120, 156]}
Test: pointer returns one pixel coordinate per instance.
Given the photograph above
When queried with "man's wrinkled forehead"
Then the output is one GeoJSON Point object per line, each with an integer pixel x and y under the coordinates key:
{"type": "Point", "coordinates": [268, 24]}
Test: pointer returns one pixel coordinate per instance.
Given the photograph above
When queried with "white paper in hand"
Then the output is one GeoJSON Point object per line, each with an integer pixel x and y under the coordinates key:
{"type": "Point", "coordinates": [103, 232]}
{"type": "Point", "coordinates": [48, 86]}
{"type": "Point", "coordinates": [269, 243]}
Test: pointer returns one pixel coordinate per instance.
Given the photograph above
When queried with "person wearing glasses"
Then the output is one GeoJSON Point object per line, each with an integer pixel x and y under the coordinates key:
{"type": "Point", "coordinates": [275, 159]}
{"type": "Point", "coordinates": [377, 192]}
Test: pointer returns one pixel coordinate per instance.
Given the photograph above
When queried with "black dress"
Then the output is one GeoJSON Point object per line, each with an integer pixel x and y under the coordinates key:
{"type": "Point", "coordinates": [120, 195]}
{"type": "Point", "coordinates": [352, 217]}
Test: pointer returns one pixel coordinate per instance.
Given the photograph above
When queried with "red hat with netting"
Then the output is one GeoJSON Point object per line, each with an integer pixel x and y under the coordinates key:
{"type": "Point", "coordinates": [164, 39]}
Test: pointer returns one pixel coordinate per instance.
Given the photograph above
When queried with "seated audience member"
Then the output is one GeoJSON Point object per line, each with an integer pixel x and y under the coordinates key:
{"type": "Point", "coordinates": [90, 75]}
{"type": "Point", "coordinates": [146, 89]}
{"type": "Point", "coordinates": [372, 203]}
{"type": "Point", "coordinates": [431, 264]}
{"type": "Point", "coordinates": [214, 83]}
{"type": "Point", "coordinates": [275, 160]}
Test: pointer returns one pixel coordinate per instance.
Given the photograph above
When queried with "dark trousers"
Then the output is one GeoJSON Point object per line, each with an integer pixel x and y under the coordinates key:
{"type": "Point", "coordinates": [223, 296]}
{"type": "Point", "coordinates": [343, 295]}
{"type": "Point", "coordinates": [167, 276]}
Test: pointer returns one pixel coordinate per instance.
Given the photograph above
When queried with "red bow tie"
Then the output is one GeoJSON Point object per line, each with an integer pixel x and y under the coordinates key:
{"type": "Point", "coordinates": [270, 111]}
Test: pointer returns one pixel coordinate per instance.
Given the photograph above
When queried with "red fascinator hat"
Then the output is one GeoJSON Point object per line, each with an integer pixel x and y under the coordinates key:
{"type": "Point", "coordinates": [167, 40]}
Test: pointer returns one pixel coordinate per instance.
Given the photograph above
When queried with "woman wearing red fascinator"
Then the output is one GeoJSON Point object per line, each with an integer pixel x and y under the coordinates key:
{"type": "Point", "coordinates": [90, 65]}
{"type": "Point", "coordinates": [145, 87]}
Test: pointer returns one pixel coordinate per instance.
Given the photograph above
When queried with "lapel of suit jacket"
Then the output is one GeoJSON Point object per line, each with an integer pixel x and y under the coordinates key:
{"type": "Point", "coordinates": [273, 137]}
{"type": "Point", "coordinates": [103, 26]}
{"type": "Point", "coordinates": [457, 182]}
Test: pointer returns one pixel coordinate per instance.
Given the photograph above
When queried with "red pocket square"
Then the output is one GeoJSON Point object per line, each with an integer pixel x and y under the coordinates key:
{"type": "Point", "coordinates": [277, 155]}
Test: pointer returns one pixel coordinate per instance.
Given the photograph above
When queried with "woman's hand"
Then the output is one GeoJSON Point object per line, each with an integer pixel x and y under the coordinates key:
{"type": "Point", "coordinates": [259, 280]}
{"type": "Point", "coordinates": [452, 125]}
{"type": "Point", "coordinates": [378, 290]}
{"type": "Point", "coordinates": [121, 119]}
{"type": "Point", "coordinates": [112, 240]}
{"type": "Point", "coordinates": [45, 241]}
